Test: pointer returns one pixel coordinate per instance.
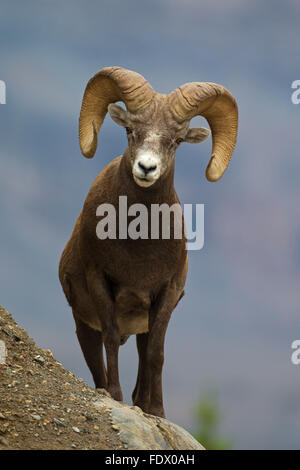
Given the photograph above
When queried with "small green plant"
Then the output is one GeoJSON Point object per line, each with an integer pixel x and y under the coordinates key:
{"type": "Point", "coordinates": [208, 417]}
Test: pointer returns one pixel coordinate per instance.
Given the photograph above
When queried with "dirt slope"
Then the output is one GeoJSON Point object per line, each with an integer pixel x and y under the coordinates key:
{"type": "Point", "coordinates": [43, 406]}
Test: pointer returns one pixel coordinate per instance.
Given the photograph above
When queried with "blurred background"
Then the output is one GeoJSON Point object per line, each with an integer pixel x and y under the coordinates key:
{"type": "Point", "coordinates": [233, 330]}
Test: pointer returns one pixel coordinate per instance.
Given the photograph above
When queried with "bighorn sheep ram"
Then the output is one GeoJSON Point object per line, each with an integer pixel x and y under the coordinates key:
{"type": "Point", "coordinates": [119, 287]}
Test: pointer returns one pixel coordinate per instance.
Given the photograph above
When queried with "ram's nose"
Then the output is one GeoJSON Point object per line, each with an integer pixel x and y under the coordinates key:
{"type": "Point", "coordinates": [147, 168]}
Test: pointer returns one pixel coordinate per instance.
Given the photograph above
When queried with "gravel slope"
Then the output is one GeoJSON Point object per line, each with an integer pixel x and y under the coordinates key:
{"type": "Point", "coordinates": [44, 406]}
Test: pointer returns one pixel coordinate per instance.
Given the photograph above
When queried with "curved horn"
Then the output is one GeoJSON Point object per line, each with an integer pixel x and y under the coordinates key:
{"type": "Point", "coordinates": [219, 108]}
{"type": "Point", "coordinates": [109, 85]}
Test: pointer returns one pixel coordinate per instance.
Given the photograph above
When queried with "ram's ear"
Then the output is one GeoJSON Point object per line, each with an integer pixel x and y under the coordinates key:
{"type": "Point", "coordinates": [196, 135]}
{"type": "Point", "coordinates": [118, 114]}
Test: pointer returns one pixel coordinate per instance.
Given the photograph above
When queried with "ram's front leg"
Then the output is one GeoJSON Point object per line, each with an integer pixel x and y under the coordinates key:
{"type": "Point", "coordinates": [98, 290]}
{"type": "Point", "coordinates": [140, 395]}
{"type": "Point", "coordinates": [158, 322]}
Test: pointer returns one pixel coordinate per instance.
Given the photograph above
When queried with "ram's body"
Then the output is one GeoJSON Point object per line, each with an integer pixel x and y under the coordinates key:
{"type": "Point", "coordinates": [134, 271]}
{"type": "Point", "coordinates": [118, 287]}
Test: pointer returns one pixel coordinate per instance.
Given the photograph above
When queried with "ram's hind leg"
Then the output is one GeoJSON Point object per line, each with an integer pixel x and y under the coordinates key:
{"type": "Point", "coordinates": [91, 344]}
{"type": "Point", "coordinates": [140, 395]}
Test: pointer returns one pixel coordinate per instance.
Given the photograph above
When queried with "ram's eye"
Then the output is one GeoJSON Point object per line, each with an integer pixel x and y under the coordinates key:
{"type": "Point", "coordinates": [179, 140]}
{"type": "Point", "coordinates": [128, 130]}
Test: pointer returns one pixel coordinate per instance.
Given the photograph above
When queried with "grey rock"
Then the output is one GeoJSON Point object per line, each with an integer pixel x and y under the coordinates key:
{"type": "Point", "coordinates": [36, 416]}
{"type": "Point", "coordinates": [140, 431]}
{"type": "Point", "coordinates": [58, 422]}
{"type": "Point", "coordinates": [136, 431]}
{"type": "Point", "coordinates": [178, 437]}
{"type": "Point", "coordinates": [3, 441]}
{"type": "Point", "coordinates": [3, 352]}
{"type": "Point", "coordinates": [39, 359]}
{"type": "Point", "coordinates": [146, 432]}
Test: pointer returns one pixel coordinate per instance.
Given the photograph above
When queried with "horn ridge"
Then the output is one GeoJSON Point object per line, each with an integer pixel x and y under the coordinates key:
{"type": "Point", "coordinates": [107, 86]}
{"type": "Point", "coordinates": [219, 107]}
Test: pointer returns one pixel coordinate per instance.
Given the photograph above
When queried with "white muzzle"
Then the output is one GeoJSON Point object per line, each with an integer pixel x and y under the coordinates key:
{"type": "Point", "coordinates": [147, 168]}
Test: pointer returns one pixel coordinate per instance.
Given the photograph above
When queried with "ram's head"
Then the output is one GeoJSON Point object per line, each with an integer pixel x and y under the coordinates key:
{"type": "Point", "coordinates": [156, 124]}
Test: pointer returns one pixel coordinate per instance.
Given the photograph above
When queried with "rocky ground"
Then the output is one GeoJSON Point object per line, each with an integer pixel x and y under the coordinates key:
{"type": "Point", "coordinates": [44, 406]}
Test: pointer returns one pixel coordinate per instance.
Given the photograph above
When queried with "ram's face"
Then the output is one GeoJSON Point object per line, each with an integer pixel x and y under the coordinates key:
{"type": "Point", "coordinates": [153, 139]}
{"type": "Point", "coordinates": [152, 151]}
